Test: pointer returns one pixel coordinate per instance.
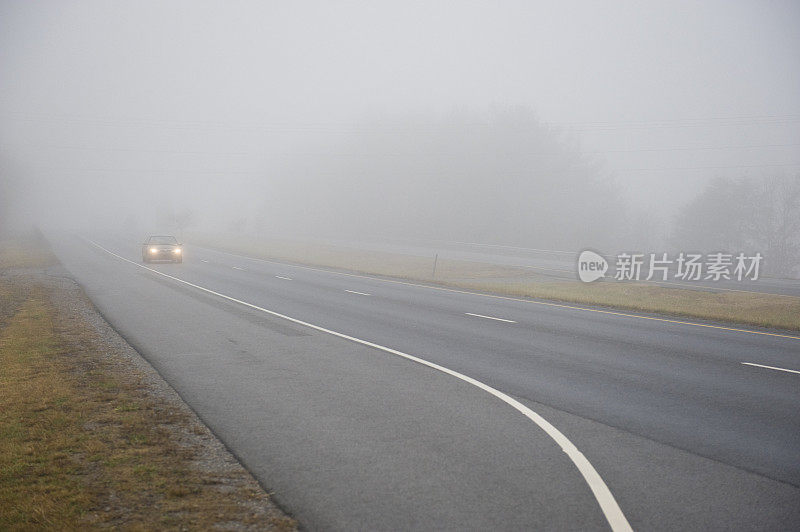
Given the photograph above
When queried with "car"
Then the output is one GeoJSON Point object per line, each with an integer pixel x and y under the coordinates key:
{"type": "Point", "coordinates": [162, 248]}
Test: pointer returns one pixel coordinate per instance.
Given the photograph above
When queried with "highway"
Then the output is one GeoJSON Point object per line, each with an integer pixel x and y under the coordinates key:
{"type": "Point", "coordinates": [317, 381]}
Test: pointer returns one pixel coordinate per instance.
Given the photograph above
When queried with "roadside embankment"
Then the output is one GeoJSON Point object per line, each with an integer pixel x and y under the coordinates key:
{"type": "Point", "coordinates": [90, 435]}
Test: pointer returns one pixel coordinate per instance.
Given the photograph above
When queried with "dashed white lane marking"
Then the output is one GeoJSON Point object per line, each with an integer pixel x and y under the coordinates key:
{"type": "Point", "coordinates": [359, 293]}
{"type": "Point", "coordinates": [203, 260]}
{"type": "Point", "coordinates": [282, 277]}
{"type": "Point", "coordinates": [509, 298]}
{"type": "Point", "coordinates": [489, 317]}
{"type": "Point", "coordinates": [770, 367]}
{"type": "Point", "coordinates": [238, 268]}
{"type": "Point", "coordinates": [608, 505]}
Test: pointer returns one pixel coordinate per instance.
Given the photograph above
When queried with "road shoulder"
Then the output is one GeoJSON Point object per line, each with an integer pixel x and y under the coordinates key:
{"type": "Point", "coordinates": [99, 438]}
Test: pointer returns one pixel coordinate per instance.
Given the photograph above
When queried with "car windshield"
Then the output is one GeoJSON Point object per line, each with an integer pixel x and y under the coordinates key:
{"type": "Point", "coordinates": [163, 240]}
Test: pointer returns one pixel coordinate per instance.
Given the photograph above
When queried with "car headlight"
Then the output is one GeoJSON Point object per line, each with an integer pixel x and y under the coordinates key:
{"type": "Point", "coordinates": [176, 250]}
{"type": "Point", "coordinates": [153, 250]}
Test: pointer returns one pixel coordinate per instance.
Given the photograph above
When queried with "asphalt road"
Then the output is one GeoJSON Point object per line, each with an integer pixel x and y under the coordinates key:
{"type": "Point", "coordinates": [681, 432]}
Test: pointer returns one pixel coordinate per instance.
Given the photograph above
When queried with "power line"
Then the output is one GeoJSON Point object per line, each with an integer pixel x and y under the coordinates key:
{"type": "Point", "coordinates": [768, 120]}
{"type": "Point", "coordinates": [129, 150]}
{"type": "Point", "coordinates": [697, 148]}
{"type": "Point", "coordinates": [685, 125]}
{"type": "Point", "coordinates": [416, 172]}
{"type": "Point", "coordinates": [789, 165]}
{"type": "Point", "coordinates": [152, 171]}
{"type": "Point", "coordinates": [384, 154]}
{"type": "Point", "coordinates": [757, 118]}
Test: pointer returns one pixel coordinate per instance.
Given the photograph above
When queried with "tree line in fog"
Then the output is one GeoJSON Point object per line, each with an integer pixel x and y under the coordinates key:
{"type": "Point", "coordinates": [502, 177]}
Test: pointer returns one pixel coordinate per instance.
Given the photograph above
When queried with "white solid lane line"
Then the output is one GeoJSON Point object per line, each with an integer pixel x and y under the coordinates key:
{"type": "Point", "coordinates": [489, 317]}
{"type": "Point", "coordinates": [603, 496]}
{"type": "Point", "coordinates": [359, 293]}
{"type": "Point", "coordinates": [284, 278]}
{"type": "Point", "coordinates": [770, 367]}
{"type": "Point", "coordinates": [237, 268]}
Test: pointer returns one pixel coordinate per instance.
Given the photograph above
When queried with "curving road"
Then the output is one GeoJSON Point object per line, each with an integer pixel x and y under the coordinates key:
{"type": "Point", "coordinates": [689, 426]}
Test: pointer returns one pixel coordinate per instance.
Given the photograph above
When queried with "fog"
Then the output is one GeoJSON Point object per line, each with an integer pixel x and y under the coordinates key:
{"type": "Point", "coordinates": [591, 124]}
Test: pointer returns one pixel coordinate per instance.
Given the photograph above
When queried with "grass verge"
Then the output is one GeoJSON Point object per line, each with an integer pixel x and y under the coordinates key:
{"type": "Point", "coordinates": [84, 443]}
{"type": "Point", "coordinates": [744, 308]}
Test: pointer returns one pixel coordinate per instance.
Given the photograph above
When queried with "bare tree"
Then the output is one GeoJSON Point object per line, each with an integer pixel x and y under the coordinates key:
{"type": "Point", "coordinates": [774, 222]}
{"type": "Point", "coordinates": [761, 215]}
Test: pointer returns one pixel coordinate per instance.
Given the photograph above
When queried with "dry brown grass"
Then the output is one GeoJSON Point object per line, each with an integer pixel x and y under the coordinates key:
{"type": "Point", "coordinates": [26, 251]}
{"type": "Point", "coordinates": [361, 261]}
{"type": "Point", "coordinates": [763, 310]}
{"type": "Point", "coordinates": [83, 444]}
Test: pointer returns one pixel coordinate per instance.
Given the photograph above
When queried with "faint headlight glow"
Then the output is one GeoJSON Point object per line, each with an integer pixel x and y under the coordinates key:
{"type": "Point", "coordinates": [176, 250]}
{"type": "Point", "coordinates": [153, 250]}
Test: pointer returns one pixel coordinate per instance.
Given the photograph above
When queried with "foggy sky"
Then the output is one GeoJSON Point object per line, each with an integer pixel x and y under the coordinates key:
{"type": "Point", "coordinates": [112, 108]}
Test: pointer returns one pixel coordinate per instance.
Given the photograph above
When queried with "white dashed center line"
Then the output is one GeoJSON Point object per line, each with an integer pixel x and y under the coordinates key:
{"type": "Point", "coordinates": [770, 367]}
{"type": "Point", "coordinates": [489, 317]}
{"type": "Point", "coordinates": [284, 278]}
{"type": "Point", "coordinates": [359, 293]}
{"type": "Point", "coordinates": [238, 268]}
{"type": "Point", "coordinates": [203, 260]}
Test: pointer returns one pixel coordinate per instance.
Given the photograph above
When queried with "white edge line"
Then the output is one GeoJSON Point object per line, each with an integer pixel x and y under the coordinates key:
{"type": "Point", "coordinates": [284, 278]}
{"type": "Point", "coordinates": [770, 367]}
{"type": "Point", "coordinates": [359, 293]}
{"type": "Point", "coordinates": [509, 298]}
{"type": "Point", "coordinates": [489, 317]}
{"type": "Point", "coordinates": [613, 514]}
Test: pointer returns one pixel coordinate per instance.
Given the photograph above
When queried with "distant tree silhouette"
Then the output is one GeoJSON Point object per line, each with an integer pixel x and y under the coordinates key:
{"type": "Point", "coordinates": [501, 177]}
{"type": "Point", "coordinates": [752, 215]}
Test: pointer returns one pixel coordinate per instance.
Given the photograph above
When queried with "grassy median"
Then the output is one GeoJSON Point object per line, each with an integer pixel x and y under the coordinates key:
{"type": "Point", "coordinates": [83, 442]}
{"type": "Point", "coordinates": [745, 308]}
